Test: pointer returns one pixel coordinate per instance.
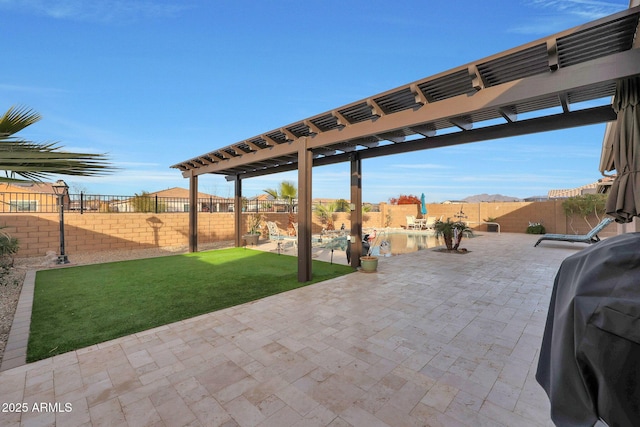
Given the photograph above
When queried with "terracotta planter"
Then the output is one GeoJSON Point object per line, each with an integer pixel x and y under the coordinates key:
{"type": "Point", "coordinates": [251, 239]}
{"type": "Point", "coordinates": [369, 264]}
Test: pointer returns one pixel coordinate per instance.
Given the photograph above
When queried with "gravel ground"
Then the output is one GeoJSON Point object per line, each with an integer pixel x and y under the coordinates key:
{"type": "Point", "coordinates": [11, 283]}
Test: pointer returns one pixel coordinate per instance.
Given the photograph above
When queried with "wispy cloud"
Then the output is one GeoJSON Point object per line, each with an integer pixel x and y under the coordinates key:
{"type": "Point", "coordinates": [420, 166]}
{"type": "Point", "coordinates": [588, 9]}
{"type": "Point", "coordinates": [560, 14]}
{"type": "Point", "coordinates": [98, 11]}
{"type": "Point", "coordinates": [28, 89]}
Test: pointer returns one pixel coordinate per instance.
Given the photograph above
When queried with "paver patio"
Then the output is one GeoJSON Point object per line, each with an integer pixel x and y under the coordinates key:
{"type": "Point", "coordinates": [431, 339]}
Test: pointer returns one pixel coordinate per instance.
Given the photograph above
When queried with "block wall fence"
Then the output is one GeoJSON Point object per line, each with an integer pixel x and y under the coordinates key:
{"type": "Point", "coordinates": [95, 232]}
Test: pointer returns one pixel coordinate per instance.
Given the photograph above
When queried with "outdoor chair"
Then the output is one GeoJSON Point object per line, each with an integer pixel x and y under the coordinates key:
{"type": "Point", "coordinates": [590, 237]}
{"type": "Point", "coordinates": [430, 223]}
{"type": "Point", "coordinates": [280, 237]}
{"type": "Point", "coordinates": [411, 222]}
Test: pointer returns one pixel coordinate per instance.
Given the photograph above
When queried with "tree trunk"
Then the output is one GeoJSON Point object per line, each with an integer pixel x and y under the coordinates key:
{"type": "Point", "coordinates": [448, 240]}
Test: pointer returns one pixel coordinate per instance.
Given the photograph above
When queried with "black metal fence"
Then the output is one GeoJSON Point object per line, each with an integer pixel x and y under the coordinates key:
{"type": "Point", "coordinates": [90, 203]}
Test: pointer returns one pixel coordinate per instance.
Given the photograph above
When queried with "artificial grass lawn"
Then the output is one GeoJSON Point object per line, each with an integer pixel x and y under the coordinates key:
{"type": "Point", "coordinates": [81, 306]}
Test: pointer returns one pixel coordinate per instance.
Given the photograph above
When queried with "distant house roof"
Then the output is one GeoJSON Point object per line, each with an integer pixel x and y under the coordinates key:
{"type": "Point", "coordinates": [179, 192]}
{"type": "Point", "coordinates": [599, 186]}
{"type": "Point", "coordinates": [28, 187]}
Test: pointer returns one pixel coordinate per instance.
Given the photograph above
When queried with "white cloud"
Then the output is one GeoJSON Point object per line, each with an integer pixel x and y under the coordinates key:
{"type": "Point", "coordinates": [419, 166]}
{"type": "Point", "coordinates": [99, 11]}
{"type": "Point", "coordinates": [566, 13]}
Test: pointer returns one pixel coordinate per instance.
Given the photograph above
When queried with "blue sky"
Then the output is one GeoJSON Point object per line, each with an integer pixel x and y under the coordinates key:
{"type": "Point", "coordinates": [155, 82]}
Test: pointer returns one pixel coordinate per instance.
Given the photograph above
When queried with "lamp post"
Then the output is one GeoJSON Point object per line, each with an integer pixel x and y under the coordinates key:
{"type": "Point", "coordinates": [61, 189]}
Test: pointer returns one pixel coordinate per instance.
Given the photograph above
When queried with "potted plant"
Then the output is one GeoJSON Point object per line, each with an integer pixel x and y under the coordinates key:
{"type": "Point", "coordinates": [368, 262]}
{"type": "Point", "coordinates": [451, 231]}
{"type": "Point", "coordinates": [493, 228]}
{"type": "Point", "coordinates": [254, 223]}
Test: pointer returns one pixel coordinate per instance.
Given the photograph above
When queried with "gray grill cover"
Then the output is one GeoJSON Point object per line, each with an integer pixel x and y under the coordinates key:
{"type": "Point", "coordinates": [590, 357]}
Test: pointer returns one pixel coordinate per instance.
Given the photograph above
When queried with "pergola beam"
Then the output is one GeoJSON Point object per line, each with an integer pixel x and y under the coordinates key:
{"type": "Point", "coordinates": [584, 117]}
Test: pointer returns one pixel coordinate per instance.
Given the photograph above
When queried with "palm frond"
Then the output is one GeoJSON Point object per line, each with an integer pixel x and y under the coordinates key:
{"type": "Point", "coordinates": [24, 160]}
{"type": "Point", "coordinates": [16, 119]}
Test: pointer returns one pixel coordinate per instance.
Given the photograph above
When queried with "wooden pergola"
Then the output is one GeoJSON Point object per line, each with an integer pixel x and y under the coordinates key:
{"type": "Point", "coordinates": [481, 101]}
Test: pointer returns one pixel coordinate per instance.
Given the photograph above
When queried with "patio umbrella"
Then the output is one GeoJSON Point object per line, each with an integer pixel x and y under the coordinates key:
{"type": "Point", "coordinates": [624, 198]}
{"type": "Point", "coordinates": [423, 208]}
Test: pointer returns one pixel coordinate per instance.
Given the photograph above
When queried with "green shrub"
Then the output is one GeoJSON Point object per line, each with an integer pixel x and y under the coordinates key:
{"type": "Point", "coordinates": [536, 228]}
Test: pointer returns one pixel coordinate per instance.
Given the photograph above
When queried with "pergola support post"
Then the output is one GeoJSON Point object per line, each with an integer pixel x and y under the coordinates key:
{"type": "Point", "coordinates": [305, 165]}
{"type": "Point", "coordinates": [193, 213]}
{"type": "Point", "coordinates": [237, 211]}
{"type": "Point", "coordinates": [356, 209]}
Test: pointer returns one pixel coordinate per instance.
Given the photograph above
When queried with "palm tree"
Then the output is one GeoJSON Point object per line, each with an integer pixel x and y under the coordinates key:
{"type": "Point", "coordinates": [24, 160]}
{"type": "Point", "coordinates": [452, 232]}
{"type": "Point", "coordinates": [287, 191]}
{"type": "Point", "coordinates": [325, 213]}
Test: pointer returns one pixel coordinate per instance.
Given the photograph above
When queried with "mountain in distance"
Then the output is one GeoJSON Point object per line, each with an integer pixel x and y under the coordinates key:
{"type": "Point", "coordinates": [490, 198]}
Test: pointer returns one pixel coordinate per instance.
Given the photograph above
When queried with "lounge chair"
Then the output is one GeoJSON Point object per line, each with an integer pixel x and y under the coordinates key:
{"type": "Point", "coordinates": [411, 222]}
{"type": "Point", "coordinates": [430, 223]}
{"type": "Point", "coordinates": [280, 237]}
{"type": "Point", "coordinates": [590, 237]}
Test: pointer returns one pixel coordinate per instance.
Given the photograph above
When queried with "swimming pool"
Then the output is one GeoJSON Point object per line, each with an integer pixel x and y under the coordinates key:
{"type": "Point", "coordinates": [400, 242]}
{"type": "Point", "coordinates": [404, 242]}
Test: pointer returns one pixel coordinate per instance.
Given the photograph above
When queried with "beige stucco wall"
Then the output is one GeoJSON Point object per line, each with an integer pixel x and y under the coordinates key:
{"type": "Point", "coordinates": [94, 232]}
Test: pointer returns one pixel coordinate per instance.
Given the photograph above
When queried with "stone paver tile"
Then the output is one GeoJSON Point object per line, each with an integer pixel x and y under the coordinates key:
{"type": "Point", "coordinates": [285, 417]}
{"type": "Point", "coordinates": [141, 413]}
{"type": "Point", "coordinates": [440, 396]}
{"type": "Point", "coordinates": [107, 413]}
{"type": "Point", "coordinates": [218, 377]}
{"type": "Point", "coordinates": [264, 389]}
{"type": "Point", "coordinates": [139, 358]}
{"type": "Point", "coordinates": [142, 392]}
{"type": "Point", "coordinates": [243, 412]}
{"type": "Point", "coordinates": [429, 416]}
{"type": "Point", "coordinates": [209, 412]}
{"type": "Point", "coordinates": [67, 379]}
{"type": "Point", "coordinates": [504, 395]}
{"type": "Point", "coordinates": [171, 408]}
{"type": "Point", "coordinates": [318, 417]}
{"type": "Point", "coordinates": [296, 399]}
{"type": "Point", "coordinates": [359, 417]}
{"type": "Point", "coordinates": [504, 416]}
{"type": "Point", "coordinates": [336, 394]}
{"type": "Point", "coordinates": [236, 389]}
{"type": "Point", "coordinates": [270, 405]}
{"type": "Point", "coordinates": [12, 381]}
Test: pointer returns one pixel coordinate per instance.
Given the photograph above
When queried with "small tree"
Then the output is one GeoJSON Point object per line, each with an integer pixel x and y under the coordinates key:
{"type": "Point", "coordinates": [254, 223]}
{"type": "Point", "coordinates": [342, 205]}
{"type": "Point", "coordinates": [286, 191]}
{"type": "Point", "coordinates": [584, 206]}
{"type": "Point", "coordinates": [405, 200]}
{"type": "Point", "coordinates": [326, 214]}
{"type": "Point", "coordinates": [144, 202]}
{"type": "Point", "coordinates": [452, 232]}
{"type": "Point", "coordinates": [8, 247]}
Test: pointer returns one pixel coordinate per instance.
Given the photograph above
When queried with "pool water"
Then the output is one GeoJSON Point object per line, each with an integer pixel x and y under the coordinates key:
{"type": "Point", "coordinates": [403, 243]}
{"type": "Point", "coordinates": [398, 242]}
